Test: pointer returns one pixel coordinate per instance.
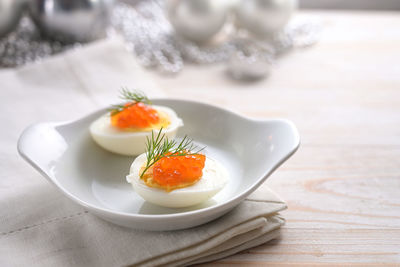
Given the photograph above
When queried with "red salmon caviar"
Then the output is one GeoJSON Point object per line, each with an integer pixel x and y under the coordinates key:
{"type": "Point", "coordinates": [137, 115]}
{"type": "Point", "coordinates": [178, 171]}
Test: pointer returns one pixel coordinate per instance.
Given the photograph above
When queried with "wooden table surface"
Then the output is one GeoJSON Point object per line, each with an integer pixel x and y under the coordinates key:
{"type": "Point", "coordinates": [343, 185]}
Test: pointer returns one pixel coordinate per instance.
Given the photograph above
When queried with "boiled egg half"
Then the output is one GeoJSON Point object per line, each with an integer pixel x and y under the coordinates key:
{"type": "Point", "coordinates": [214, 177]}
{"type": "Point", "coordinates": [131, 140]}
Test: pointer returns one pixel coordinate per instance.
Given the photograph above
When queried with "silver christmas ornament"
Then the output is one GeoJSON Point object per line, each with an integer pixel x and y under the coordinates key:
{"type": "Point", "coordinates": [10, 14]}
{"type": "Point", "coordinates": [264, 18]}
{"type": "Point", "coordinates": [155, 44]}
{"type": "Point", "coordinates": [71, 20]}
{"type": "Point", "coordinates": [247, 68]}
{"type": "Point", "coordinates": [197, 20]}
{"type": "Point", "coordinates": [250, 60]}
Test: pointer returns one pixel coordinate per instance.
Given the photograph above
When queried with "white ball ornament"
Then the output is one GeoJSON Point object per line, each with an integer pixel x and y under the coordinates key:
{"type": "Point", "coordinates": [71, 20]}
{"type": "Point", "coordinates": [197, 20]}
{"type": "Point", "coordinates": [264, 18]}
{"type": "Point", "coordinates": [10, 14]}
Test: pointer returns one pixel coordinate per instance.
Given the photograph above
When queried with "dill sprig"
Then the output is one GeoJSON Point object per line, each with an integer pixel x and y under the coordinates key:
{"type": "Point", "coordinates": [160, 146]}
{"type": "Point", "coordinates": [131, 97]}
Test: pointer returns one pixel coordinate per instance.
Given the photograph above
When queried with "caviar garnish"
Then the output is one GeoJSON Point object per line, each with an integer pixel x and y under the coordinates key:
{"type": "Point", "coordinates": [159, 147]}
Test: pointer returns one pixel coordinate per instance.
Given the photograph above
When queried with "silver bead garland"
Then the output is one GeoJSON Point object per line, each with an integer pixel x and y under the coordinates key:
{"type": "Point", "coordinates": [26, 45]}
{"type": "Point", "coordinates": [153, 41]}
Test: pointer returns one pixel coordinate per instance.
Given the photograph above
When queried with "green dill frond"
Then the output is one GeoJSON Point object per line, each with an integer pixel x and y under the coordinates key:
{"type": "Point", "coordinates": [134, 96]}
{"type": "Point", "coordinates": [159, 146]}
{"type": "Point", "coordinates": [131, 98]}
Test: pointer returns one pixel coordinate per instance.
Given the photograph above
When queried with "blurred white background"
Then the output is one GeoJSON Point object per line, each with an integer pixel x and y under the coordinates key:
{"type": "Point", "coordinates": [352, 4]}
{"type": "Point", "coordinates": [340, 4]}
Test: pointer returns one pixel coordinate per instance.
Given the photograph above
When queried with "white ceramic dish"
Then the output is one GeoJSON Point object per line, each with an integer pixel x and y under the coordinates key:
{"type": "Point", "coordinates": [67, 156]}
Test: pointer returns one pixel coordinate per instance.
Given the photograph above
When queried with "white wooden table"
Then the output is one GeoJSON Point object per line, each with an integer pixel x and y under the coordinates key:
{"type": "Point", "coordinates": [343, 185]}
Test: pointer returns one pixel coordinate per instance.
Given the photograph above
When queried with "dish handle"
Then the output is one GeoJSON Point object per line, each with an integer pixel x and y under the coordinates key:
{"type": "Point", "coordinates": [41, 155]}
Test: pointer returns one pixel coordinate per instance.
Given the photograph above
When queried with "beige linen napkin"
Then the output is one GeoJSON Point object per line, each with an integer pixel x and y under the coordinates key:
{"type": "Point", "coordinates": [40, 227]}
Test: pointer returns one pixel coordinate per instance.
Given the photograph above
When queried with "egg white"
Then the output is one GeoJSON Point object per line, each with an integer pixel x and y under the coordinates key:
{"type": "Point", "coordinates": [125, 142]}
{"type": "Point", "coordinates": [214, 178]}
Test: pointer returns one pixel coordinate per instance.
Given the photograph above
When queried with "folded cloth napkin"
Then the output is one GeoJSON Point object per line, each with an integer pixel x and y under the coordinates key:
{"type": "Point", "coordinates": [40, 227]}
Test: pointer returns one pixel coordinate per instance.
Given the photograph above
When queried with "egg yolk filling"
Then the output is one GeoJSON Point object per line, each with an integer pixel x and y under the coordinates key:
{"type": "Point", "coordinates": [139, 117]}
{"type": "Point", "coordinates": [173, 172]}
